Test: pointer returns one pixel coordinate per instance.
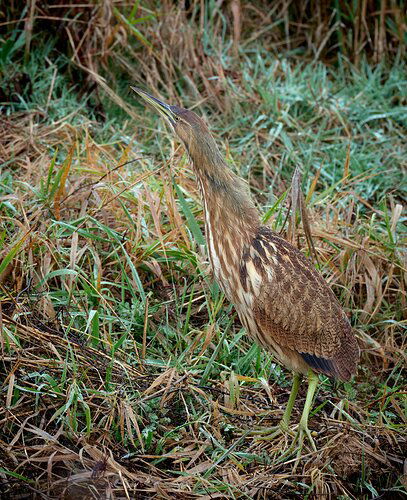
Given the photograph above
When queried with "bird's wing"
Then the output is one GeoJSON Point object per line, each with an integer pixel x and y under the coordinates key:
{"type": "Point", "coordinates": [294, 305]}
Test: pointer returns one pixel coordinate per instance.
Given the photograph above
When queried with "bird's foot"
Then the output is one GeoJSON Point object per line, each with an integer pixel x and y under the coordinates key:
{"type": "Point", "coordinates": [303, 432]}
{"type": "Point", "coordinates": [297, 445]}
{"type": "Point", "coordinates": [272, 432]}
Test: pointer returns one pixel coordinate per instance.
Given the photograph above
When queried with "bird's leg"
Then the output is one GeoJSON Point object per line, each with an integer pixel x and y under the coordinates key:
{"type": "Point", "coordinates": [303, 426]}
{"type": "Point", "coordinates": [303, 429]}
{"type": "Point", "coordinates": [283, 426]}
{"type": "Point", "coordinates": [291, 400]}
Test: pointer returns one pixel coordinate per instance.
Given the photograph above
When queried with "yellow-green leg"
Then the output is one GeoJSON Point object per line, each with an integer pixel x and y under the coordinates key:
{"type": "Point", "coordinates": [291, 400]}
{"type": "Point", "coordinates": [303, 430]}
{"type": "Point", "coordinates": [283, 426]}
{"type": "Point", "coordinates": [303, 426]}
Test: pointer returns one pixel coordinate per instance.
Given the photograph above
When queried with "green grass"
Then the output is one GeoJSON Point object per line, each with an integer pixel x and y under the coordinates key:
{"type": "Point", "coordinates": [117, 344]}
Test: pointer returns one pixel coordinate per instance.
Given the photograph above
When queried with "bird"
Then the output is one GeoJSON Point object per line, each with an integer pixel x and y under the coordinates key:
{"type": "Point", "coordinates": [282, 300]}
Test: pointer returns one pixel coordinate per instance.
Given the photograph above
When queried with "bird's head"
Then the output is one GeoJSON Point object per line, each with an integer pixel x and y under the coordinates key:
{"type": "Point", "coordinates": [208, 162]}
{"type": "Point", "coordinates": [186, 124]}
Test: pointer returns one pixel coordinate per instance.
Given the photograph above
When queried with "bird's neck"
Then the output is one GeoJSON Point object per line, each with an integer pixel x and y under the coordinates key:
{"type": "Point", "coordinates": [227, 203]}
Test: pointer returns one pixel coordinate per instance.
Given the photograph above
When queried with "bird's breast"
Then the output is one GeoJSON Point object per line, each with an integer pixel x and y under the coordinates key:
{"type": "Point", "coordinates": [239, 277]}
{"type": "Point", "coordinates": [241, 260]}
{"type": "Point", "coordinates": [221, 262]}
{"type": "Point", "coordinates": [224, 250]}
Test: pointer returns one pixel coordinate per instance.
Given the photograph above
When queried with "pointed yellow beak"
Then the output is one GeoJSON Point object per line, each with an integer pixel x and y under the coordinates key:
{"type": "Point", "coordinates": [165, 110]}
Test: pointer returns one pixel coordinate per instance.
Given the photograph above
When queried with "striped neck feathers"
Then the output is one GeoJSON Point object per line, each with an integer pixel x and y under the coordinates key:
{"type": "Point", "coordinates": [222, 189]}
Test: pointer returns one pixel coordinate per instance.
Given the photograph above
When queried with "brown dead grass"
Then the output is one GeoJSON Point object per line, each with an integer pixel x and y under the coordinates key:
{"type": "Point", "coordinates": [62, 468]}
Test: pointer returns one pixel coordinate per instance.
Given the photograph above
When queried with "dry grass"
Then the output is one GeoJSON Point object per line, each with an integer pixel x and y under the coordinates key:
{"type": "Point", "coordinates": [124, 373]}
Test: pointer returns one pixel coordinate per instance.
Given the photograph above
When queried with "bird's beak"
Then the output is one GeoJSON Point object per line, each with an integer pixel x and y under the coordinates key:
{"type": "Point", "coordinates": [164, 109]}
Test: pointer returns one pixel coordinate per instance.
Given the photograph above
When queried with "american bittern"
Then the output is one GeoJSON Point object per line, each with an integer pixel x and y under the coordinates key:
{"type": "Point", "coordinates": [281, 299]}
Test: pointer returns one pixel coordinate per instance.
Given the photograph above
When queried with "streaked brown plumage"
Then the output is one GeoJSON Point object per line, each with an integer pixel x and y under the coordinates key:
{"type": "Point", "coordinates": [282, 301]}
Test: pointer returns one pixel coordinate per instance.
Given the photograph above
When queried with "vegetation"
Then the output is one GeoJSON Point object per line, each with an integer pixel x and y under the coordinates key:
{"type": "Point", "coordinates": [124, 372]}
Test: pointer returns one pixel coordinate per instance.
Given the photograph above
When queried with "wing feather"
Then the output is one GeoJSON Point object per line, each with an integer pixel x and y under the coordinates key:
{"type": "Point", "coordinates": [295, 307]}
